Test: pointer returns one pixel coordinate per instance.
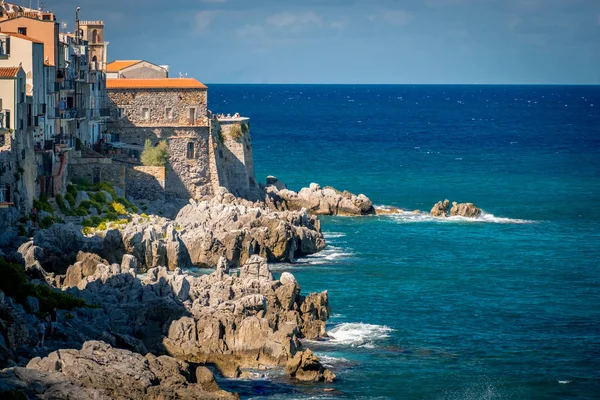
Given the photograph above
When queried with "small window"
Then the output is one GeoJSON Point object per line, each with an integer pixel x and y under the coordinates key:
{"type": "Point", "coordinates": [120, 112]}
{"type": "Point", "coordinates": [190, 150]}
{"type": "Point", "coordinates": [169, 113]}
{"type": "Point", "coordinates": [22, 31]}
{"type": "Point", "coordinates": [192, 112]}
{"type": "Point", "coordinates": [145, 114]}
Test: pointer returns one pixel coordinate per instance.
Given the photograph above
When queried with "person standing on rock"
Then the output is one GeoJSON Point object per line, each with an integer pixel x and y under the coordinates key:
{"type": "Point", "coordinates": [42, 334]}
{"type": "Point", "coordinates": [53, 321]}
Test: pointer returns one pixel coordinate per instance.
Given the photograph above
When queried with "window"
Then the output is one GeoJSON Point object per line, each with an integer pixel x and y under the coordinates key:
{"type": "Point", "coordinates": [115, 137]}
{"type": "Point", "coordinates": [94, 36]}
{"type": "Point", "coordinates": [120, 112]}
{"type": "Point", "coordinates": [192, 113]}
{"type": "Point", "coordinates": [169, 113]}
{"type": "Point", "coordinates": [145, 114]}
{"type": "Point", "coordinates": [190, 150]}
{"type": "Point", "coordinates": [22, 31]}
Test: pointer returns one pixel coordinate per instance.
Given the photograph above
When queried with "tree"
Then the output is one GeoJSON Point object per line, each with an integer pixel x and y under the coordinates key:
{"type": "Point", "coordinates": [155, 156]}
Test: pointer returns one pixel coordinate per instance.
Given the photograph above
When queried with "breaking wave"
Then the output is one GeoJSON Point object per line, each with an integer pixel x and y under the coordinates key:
{"type": "Point", "coordinates": [358, 334]}
{"type": "Point", "coordinates": [403, 216]}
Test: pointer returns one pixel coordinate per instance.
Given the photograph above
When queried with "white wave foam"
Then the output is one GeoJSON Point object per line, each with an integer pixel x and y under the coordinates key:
{"type": "Point", "coordinates": [333, 235]}
{"type": "Point", "coordinates": [335, 256]}
{"type": "Point", "coordinates": [359, 334]}
{"type": "Point", "coordinates": [564, 382]}
{"type": "Point", "coordinates": [408, 217]}
{"type": "Point", "coordinates": [330, 362]}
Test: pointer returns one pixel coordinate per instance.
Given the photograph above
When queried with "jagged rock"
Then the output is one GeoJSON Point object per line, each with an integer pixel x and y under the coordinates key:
{"type": "Point", "coordinates": [236, 229]}
{"type": "Point", "coordinates": [317, 201]}
{"type": "Point", "coordinates": [305, 366]}
{"type": "Point", "coordinates": [256, 268]}
{"type": "Point", "coordinates": [273, 181]}
{"type": "Point", "coordinates": [98, 371]}
{"type": "Point", "coordinates": [467, 210]}
{"type": "Point", "coordinates": [206, 379]}
{"type": "Point", "coordinates": [61, 243]}
{"type": "Point", "coordinates": [33, 304]}
{"type": "Point", "coordinates": [129, 263]}
{"type": "Point", "coordinates": [440, 209]}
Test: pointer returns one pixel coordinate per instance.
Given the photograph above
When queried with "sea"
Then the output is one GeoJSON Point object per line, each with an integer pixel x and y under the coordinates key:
{"type": "Point", "coordinates": [505, 306]}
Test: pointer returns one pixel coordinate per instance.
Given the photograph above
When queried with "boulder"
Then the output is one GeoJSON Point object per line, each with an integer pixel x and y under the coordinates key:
{"type": "Point", "coordinates": [467, 210]}
{"type": "Point", "coordinates": [306, 367]}
{"type": "Point", "coordinates": [81, 196]}
{"type": "Point", "coordinates": [273, 181]}
{"type": "Point", "coordinates": [317, 201]}
{"type": "Point", "coordinates": [440, 209]}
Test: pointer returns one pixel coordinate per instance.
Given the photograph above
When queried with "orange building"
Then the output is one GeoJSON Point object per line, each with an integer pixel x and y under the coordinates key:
{"type": "Point", "coordinates": [39, 25]}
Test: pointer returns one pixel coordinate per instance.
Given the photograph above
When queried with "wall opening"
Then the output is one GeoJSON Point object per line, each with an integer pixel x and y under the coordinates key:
{"type": "Point", "coordinates": [190, 150]}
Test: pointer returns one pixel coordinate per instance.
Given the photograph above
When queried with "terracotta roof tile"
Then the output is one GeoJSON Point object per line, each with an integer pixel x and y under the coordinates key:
{"type": "Point", "coordinates": [18, 35]}
{"type": "Point", "coordinates": [9, 72]}
{"type": "Point", "coordinates": [118, 65]}
{"type": "Point", "coordinates": [157, 83]}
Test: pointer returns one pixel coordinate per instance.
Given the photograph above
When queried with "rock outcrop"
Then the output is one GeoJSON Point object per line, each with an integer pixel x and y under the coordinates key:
{"type": "Point", "coordinates": [236, 229]}
{"type": "Point", "coordinates": [231, 321]}
{"type": "Point", "coordinates": [468, 210]}
{"type": "Point", "coordinates": [317, 201]}
{"type": "Point", "coordinates": [98, 371]}
{"type": "Point", "coordinates": [305, 366]}
{"type": "Point", "coordinates": [440, 209]}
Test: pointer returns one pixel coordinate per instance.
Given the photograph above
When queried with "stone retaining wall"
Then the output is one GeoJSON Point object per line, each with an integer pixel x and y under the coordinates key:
{"type": "Point", "coordinates": [145, 183]}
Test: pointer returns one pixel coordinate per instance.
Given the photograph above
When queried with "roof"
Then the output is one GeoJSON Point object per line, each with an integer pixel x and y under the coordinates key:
{"type": "Point", "coordinates": [118, 65]}
{"type": "Point", "coordinates": [9, 72]}
{"type": "Point", "coordinates": [18, 35]}
{"type": "Point", "coordinates": [156, 83]}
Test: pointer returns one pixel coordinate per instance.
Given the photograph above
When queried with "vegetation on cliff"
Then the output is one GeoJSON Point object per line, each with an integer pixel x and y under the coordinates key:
{"type": "Point", "coordinates": [14, 284]}
{"type": "Point", "coordinates": [155, 156]}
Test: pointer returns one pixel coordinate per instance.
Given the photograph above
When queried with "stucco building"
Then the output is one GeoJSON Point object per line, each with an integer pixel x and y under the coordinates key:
{"type": "Point", "coordinates": [136, 69]}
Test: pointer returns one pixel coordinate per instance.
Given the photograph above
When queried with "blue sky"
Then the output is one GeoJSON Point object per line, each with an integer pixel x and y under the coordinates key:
{"type": "Point", "coordinates": [356, 41]}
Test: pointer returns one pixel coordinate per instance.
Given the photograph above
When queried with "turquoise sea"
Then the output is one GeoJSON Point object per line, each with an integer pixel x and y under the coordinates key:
{"type": "Point", "coordinates": [504, 307]}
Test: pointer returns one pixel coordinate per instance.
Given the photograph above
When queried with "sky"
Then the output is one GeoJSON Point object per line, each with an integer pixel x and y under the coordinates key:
{"type": "Point", "coordinates": [354, 41]}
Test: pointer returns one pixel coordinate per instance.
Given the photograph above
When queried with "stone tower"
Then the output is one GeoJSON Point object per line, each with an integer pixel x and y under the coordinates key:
{"type": "Point", "coordinates": [93, 32]}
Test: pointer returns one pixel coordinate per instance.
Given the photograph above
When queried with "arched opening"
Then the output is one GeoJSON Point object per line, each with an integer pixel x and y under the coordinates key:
{"type": "Point", "coordinates": [190, 150]}
{"type": "Point", "coordinates": [94, 59]}
{"type": "Point", "coordinates": [94, 36]}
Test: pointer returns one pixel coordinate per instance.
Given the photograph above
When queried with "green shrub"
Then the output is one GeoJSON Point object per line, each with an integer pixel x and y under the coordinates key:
{"type": "Point", "coordinates": [220, 136]}
{"type": "Point", "coordinates": [14, 284]}
{"type": "Point", "coordinates": [124, 201]}
{"type": "Point", "coordinates": [42, 204]}
{"type": "Point", "coordinates": [100, 197]}
{"type": "Point", "coordinates": [97, 206]}
{"type": "Point", "coordinates": [236, 132]}
{"type": "Point", "coordinates": [102, 226]}
{"type": "Point", "coordinates": [155, 156]}
{"type": "Point", "coordinates": [133, 209]}
{"type": "Point", "coordinates": [144, 208]}
{"type": "Point", "coordinates": [85, 204]}
{"type": "Point", "coordinates": [106, 187]}
{"type": "Point", "coordinates": [112, 216]}
{"type": "Point", "coordinates": [22, 230]}
{"type": "Point", "coordinates": [81, 211]}
{"type": "Point", "coordinates": [62, 205]}
{"type": "Point", "coordinates": [46, 222]}
{"type": "Point", "coordinates": [70, 198]}
{"type": "Point", "coordinates": [87, 230]}
{"type": "Point", "coordinates": [87, 222]}
{"type": "Point", "coordinates": [72, 189]}
{"type": "Point", "coordinates": [144, 215]}
{"type": "Point", "coordinates": [96, 220]}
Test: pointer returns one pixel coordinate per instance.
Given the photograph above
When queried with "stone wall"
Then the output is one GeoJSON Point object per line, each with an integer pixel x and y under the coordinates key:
{"type": "Point", "coordinates": [132, 102]}
{"type": "Point", "coordinates": [145, 183]}
{"type": "Point", "coordinates": [95, 170]}
{"type": "Point", "coordinates": [233, 157]}
{"type": "Point", "coordinates": [144, 70]}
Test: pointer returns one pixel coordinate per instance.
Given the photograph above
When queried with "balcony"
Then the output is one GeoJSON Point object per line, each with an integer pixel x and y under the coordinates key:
{"type": "Point", "coordinates": [73, 113]}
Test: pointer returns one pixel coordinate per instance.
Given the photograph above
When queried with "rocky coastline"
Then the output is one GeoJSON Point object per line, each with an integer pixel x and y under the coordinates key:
{"type": "Point", "coordinates": [145, 311]}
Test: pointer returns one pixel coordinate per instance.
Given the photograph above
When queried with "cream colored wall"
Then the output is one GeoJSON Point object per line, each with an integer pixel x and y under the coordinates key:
{"type": "Point", "coordinates": [7, 92]}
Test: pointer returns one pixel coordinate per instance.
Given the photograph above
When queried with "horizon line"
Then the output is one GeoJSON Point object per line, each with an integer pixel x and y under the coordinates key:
{"type": "Point", "coordinates": [403, 84]}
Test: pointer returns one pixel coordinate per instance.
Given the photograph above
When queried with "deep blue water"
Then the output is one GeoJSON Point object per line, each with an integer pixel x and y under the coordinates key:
{"type": "Point", "coordinates": [507, 307]}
